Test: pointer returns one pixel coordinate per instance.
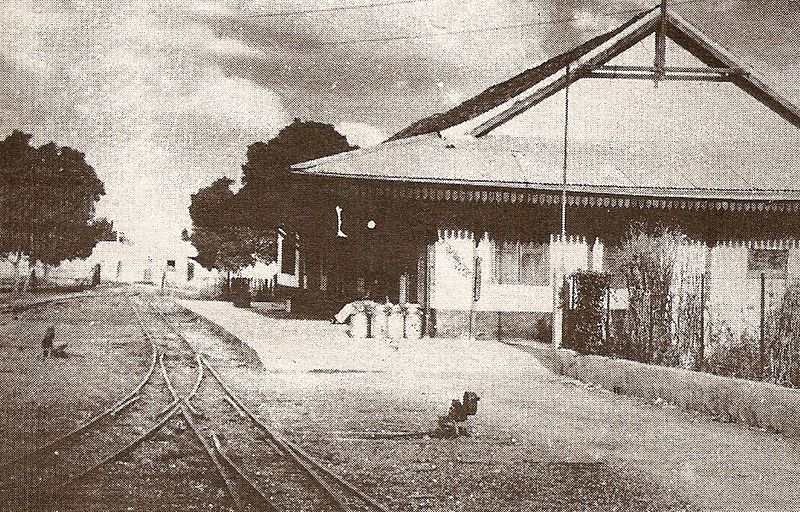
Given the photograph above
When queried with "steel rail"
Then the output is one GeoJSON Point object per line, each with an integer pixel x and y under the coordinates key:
{"type": "Point", "coordinates": [358, 492]}
{"type": "Point", "coordinates": [237, 497]}
{"type": "Point", "coordinates": [152, 431]}
{"type": "Point", "coordinates": [238, 470]}
{"type": "Point", "coordinates": [168, 381]}
{"type": "Point", "coordinates": [175, 331]}
{"type": "Point", "coordinates": [200, 372]}
{"type": "Point", "coordinates": [175, 397]}
{"type": "Point", "coordinates": [285, 443]}
{"type": "Point", "coordinates": [19, 308]}
{"type": "Point", "coordinates": [111, 411]}
{"type": "Point", "coordinates": [302, 458]}
{"type": "Point", "coordinates": [167, 407]}
{"type": "Point", "coordinates": [306, 461]}
{"type": "Point", "coordinates": [166, 378]}
{"type": "Point", "coordinates": [171, 327]}
{"type": "Point", "coordinates": [237, 404]}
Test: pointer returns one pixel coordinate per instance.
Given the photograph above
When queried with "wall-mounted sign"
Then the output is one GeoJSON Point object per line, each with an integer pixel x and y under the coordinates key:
{"type": "Point", "coordinates": [339, 232]}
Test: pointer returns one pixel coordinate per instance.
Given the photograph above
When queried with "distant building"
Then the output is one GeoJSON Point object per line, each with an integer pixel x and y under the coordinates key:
{"type": "Point", "coordinates": [170, 265]}
{"type": "Point", "coordinates": [173, 265]}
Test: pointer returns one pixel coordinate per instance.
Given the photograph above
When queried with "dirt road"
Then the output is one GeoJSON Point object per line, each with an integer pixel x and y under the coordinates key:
{"type": "Point", "coordinates": [539, 442]}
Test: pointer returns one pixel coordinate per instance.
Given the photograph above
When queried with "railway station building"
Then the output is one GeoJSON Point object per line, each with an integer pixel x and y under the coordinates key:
{"type": "Point", "coordinates": [461, 212]}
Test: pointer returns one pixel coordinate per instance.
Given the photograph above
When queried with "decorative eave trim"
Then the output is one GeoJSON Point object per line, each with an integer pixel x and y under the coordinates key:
{"type": "Point", "coordinates": [543, 197]}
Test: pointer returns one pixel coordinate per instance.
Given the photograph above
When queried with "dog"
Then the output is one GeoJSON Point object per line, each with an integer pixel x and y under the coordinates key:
{"type": "Point", "coordinates": [47, 342]}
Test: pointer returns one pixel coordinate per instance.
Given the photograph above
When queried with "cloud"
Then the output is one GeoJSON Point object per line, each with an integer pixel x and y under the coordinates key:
{"type": "Point", "coordinates": [361, 134]}
{"type": "Point", "coordinates": [142, 92]}
{"type": "Point", "coordinates": [165, 95]}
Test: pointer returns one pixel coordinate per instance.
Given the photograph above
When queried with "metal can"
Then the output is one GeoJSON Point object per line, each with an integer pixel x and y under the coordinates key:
{"type": "Point", "coordinates": [359, 322]}
{"type": "Point", "coordinates": [396, 322]}
{"type": "Point", "coordinates": [413, 322]}
{"type": "Point", "coordinates": [380, 321]}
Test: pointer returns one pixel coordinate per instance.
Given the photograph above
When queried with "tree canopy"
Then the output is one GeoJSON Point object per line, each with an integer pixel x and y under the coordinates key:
{"type": "Point", "coordinates": [47, 202]}
{"type": "Point", "coordinates": [231, 230]}
{"type": "Point", "coordinates": [298, 142]}
{"type": "Point", "coordinates": [219, 234]}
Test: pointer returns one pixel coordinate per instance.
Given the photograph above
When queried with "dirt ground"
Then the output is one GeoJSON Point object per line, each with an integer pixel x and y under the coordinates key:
{"type": "Point", "coordinates": [538, 442]}
{"type": "Point", "coordinates": [41, 399]}
{"type": "Point", "coordinates": [106, 358]}
{"type": "Point", "coordinates": [342, 398]}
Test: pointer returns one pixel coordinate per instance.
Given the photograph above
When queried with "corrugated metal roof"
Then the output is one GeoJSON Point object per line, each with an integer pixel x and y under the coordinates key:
{"type": "Point", "coordinates": [700, 169]}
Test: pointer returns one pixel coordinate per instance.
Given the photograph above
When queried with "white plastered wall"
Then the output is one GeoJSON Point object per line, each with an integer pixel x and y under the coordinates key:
{"type": "Point", "coordinates": [455, 273]}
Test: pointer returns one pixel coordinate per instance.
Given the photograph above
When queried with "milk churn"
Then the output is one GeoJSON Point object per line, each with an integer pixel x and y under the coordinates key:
{"type": "Point", "coordinates": [396, 320]}
{"type": "Point", "coordinates": [380, 321]}
{"type": "Point", "coordinates": [359, 322]}
{"type": "Point", "coordinates": [413, 321]}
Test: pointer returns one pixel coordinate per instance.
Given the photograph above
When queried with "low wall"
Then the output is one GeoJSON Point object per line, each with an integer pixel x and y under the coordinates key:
{"type": "Point", "coordinates": [528, 325]}
{"type": "Point", "coordinates": [758, 404]}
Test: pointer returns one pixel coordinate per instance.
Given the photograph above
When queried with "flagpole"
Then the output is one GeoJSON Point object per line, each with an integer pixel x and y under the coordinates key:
{"type": "Point", "coordinates": [564, 175]}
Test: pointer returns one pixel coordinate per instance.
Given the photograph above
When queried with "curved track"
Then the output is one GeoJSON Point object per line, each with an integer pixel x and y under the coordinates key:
{"type": "Point", "coordinates": [260, 470]}
{"type": "Point", "coordinates": [277, 472]}
{"type": "Point", "coordinates": [36, 475]}
{"type": "Point", "coordinates": [42, 478]}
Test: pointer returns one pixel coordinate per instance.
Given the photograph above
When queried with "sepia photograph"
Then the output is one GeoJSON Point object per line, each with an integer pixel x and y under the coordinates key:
{"type": "Point", "coordinates": [399, 255]}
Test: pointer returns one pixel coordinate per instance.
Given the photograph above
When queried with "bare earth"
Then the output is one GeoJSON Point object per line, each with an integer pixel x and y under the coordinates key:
{"type": "Point", "coordinates": [537, 436]}
{"type": "Point", "coordinates": [43, 399]}
{"type": "Point", "coordinates": [539, 442]}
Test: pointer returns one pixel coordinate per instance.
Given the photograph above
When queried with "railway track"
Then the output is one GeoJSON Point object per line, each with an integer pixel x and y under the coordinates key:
{"type": "Point", "coordinates": [180, 400]}
{"type": "Point", "coordinates": [273, 472]}
{"type": "Point", "coordinates": [29, 480]}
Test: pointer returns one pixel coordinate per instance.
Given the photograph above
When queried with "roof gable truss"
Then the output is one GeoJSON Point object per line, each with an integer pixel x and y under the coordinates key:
{"type": "Point", "coordinates": [723, 67]}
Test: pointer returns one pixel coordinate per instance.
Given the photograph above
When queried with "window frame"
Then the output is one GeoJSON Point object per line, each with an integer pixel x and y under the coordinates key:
{"type": "Point", "coordinates": [540, 253]}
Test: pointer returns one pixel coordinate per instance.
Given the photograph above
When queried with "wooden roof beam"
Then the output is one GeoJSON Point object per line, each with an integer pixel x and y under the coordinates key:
{"type": "Point", "coordinates": [671, 69]}
{"type": "Point", "coordinates": [723, 66]}
{"type": "Point", "coordinates": [662, 75]}
{"type": "Point", "coordinates": [713, 54]}
{"type": "Point", "coordinates": [600, 55]}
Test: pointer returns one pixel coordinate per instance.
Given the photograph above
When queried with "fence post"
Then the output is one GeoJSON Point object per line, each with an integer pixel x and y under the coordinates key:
{"type": "Point", "coordinates": [649, 354]}
{"type": "Point", "coordinates": [701, 348]}
{"type": "Point", "coordinates": [761, 339]}
{"type": "Point", "coordinates": [499, 326]}
{"type": "Point", "coordinates": [608, 313]}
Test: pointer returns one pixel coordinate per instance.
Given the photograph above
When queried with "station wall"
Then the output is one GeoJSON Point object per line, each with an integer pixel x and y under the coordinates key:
{"type": "Point", "coordinates": [467, 299]}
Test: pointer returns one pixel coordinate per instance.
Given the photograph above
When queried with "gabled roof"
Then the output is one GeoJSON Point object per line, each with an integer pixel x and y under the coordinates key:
{"type": "Point", "coordinates": [504, 101]}
{"type": "Point", "coordinates": [498, 94]}
{"type": "Point", "coordinates": [723, 168]}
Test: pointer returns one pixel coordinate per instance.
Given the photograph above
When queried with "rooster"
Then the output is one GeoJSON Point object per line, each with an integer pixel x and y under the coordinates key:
{"type": "Point", "coordinates": [453, 425]}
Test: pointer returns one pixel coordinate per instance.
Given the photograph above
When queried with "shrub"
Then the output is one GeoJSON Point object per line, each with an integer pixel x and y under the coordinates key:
{"type": "Point", "coordinates": [585, 312]}
{"type": "Point", "coordinates": [731, 356]}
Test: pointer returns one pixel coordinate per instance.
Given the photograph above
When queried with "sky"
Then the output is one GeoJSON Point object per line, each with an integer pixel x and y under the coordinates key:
{"type": "Point", "coordinates": [165, 96]}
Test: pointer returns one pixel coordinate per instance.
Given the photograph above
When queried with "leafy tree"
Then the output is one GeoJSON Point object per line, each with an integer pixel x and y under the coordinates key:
{"type": "Point", "coordinates": [47, 201]}
{"type": "Point", "coordinates": [219, 234]}
{"type": "Point", "coordinates": [104, 230]}
{"type": "Point", "coordinates": [231, 230]}
{"type": "Point", "coordinates": [298, 142]}
{"type": "Point", "coordinates": [268, 191]}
